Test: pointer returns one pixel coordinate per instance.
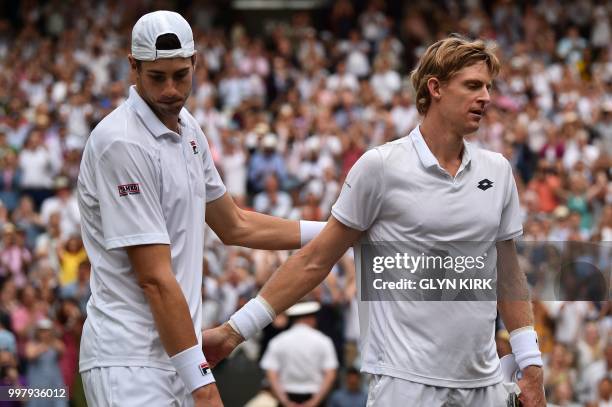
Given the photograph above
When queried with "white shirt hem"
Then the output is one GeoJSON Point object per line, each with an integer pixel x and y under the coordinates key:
{"type": "Point", "coordinates": [344, 220]}
{"type": "Point", "coordinates": [149, 238]}
{"type": "Point", "coordinates": [510, 236]}
{"type": "Point", "coordinates": [88, 364]}
{"type": "Point", "coordinates": [432, 381]}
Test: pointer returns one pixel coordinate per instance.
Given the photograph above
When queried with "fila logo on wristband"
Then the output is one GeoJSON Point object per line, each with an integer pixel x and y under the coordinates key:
{"type": "Point", "coordinates": [204, 369]}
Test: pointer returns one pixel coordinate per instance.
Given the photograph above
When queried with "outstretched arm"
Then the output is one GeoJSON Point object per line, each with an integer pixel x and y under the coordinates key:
{"type": "Point", "coordinates": [293, 280]}
{"type": "Point", "coordinates": [239, 227]}
{"type": "Point", "coordinates": [308, 268]}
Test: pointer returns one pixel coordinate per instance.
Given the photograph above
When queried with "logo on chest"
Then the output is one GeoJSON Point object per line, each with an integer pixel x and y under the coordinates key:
{"type": "Point", "coordinates": [485, 184]}
{"type": "Point", "coordinates": [128, 189]}
{"type": "Point", "coordinates": [194, 146]}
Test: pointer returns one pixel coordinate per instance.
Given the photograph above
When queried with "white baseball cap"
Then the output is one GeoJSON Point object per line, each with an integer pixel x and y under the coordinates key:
{"type": "Point", "coordinates": [150, 26]}
{"type": "Point", "coordinates": [303, 308]}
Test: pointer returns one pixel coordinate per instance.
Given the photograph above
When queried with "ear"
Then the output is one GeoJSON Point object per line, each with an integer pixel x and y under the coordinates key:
{"type": "Point", "coordinates": [434, 85]}
{"type": "Point", "coordinates": [194, 60]}
{"type": "Point", "coordinates": [132, 62]}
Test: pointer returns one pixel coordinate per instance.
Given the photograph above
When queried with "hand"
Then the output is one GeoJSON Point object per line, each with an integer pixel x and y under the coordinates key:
{"type": "Point", "coordinates": [207, 396]}
{"type": "Point", "coordinates": [532, 387]}
{"type": "Point", "coordinates": [311, 402]}
{"type": "Point", "coordinates": [288, 403]}
{"type": "Point", "coordinates": [219, 342]}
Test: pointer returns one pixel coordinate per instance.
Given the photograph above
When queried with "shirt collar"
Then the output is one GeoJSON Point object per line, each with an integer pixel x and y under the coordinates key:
{"type": "Point", "coordinates": [150, 119]}
{"type": "Point", "coordinates": [426, 156]}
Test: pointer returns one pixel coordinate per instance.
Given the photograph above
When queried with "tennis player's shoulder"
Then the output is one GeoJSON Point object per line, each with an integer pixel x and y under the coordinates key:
{"type": "Point", "coordinates": [395, 149]}
{"type": "Point", "coordinates": [491, 158]}
{"type": "Point", "coordinates": [111, 128]}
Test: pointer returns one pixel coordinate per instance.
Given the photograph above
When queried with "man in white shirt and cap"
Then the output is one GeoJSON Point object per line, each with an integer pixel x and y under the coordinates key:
{"type": "Point", "coordinates": [147, 184]}
{"type": "Point", "coordinates": [429, 187]}
{"type": "Point", "coordinates": [301, 362]}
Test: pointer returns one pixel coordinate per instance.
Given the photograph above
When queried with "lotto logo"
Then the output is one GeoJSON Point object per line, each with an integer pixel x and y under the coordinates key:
{"type": "Point", "coordinates": [128, 189]}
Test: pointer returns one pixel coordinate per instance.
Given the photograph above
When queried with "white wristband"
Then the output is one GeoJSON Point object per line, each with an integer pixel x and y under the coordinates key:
{"type": "Point", "coordinates": [192, 367]}
{"type": "Point", "coordinates": [309, 229]}
{"type": "Point", "coordinates": [524, 343]}
{"type": "Point", "coordinates": [254, 316]}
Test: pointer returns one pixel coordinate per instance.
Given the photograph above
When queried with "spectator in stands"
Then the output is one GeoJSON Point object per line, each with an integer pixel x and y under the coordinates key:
{"type": "Point", "coordinates": [352, 394]}
{"type": "Point", "coordinates": [43, 353]}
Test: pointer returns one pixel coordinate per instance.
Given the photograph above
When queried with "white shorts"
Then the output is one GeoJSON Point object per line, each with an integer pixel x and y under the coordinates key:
{"type": "Point", "coordinates": [386, 391]}
{"type": "Point", "coordinates": [134, 386]}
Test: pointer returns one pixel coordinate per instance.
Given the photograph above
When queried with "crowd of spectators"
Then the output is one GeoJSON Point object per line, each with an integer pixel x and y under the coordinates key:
{"type": "Point", "coordinates": [288, 109]}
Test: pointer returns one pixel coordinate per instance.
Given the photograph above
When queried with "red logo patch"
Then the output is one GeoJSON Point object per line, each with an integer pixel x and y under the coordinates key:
{"type": "Point", "coordinates": [194, 146]}
{"type": "Point", "coordinates": [204, 369]}
{"type": "Point", "coordinates": [128, 189]}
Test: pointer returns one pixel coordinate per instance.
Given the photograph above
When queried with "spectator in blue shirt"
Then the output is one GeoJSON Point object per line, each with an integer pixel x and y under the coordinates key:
{"type": "Point", "coordinates": [265, 162]}
{"type": "Point", "coordinates": [352, 395]}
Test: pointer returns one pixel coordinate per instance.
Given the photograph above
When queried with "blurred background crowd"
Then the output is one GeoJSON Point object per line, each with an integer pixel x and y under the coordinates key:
{"type": "Point", "coordinates": [289, 100]}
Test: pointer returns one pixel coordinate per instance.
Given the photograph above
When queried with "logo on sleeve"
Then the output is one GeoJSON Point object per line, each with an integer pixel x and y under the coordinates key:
{"type": "Point", "coordinates": [204, 369]}
{"type": "Point", "coordinates": [194, 146]}
{"type": "Point", "coordinates": [128, 189]}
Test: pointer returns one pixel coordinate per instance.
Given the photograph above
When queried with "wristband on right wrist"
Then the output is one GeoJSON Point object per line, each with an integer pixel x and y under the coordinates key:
{"type": "Point", "coordinates": [252, 317]}
{"type": "Point", "coordinates": [524, 343]}
{"type": "Point", "coordinates": [191, 366]}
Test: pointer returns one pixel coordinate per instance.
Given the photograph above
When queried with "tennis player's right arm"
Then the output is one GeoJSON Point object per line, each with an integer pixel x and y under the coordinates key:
{"type": "Point", "coordinates": [293, 280]}
{"type": "Point", "coordinates": [355, 211]}
{"type": "Point", "coordinates": [153, 269]}
{"type": "Point", "coordinates": [308, 267]}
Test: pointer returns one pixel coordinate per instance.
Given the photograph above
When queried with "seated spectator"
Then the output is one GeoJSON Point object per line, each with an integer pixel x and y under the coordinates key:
{"type": "Point", "coordinates": [352, 394]}
{"type": "Point", "coordinates": [9, 375]}
{"type": "Point", "coordinates": [65, 203]}
{"type": "Point", "coordinates": [563, 395]}
{"type": "Point", "coordinates": [546, 183]}
{"type": "Point", "coordinates": [80, 290]}
{"type": "Point", "coordinates": [70, 256]}
{"type": "Point", "coordinates": [8, 343]}
{"type": "Point", "coordinates": [10, 180]}
{"type": "Point", "coordinates": [70, 320]}
{"type": "Point", "coordinates": [594, 373]}
{"type": "Point", "coordinates": [25, 315]}
{"type": "Point", "coordinates": [14, 256]}
{"type": "Point", "coordinates": [604, 397]}
{"type": "Point", "coordinates": [43, 372]}
{"type": "Point", "coordinates": [271, 201]}
{"type": "Point", "coordinates": [558, 369]}
{"type": "Point", "coordinates": [590, 346]}
{"type": "Point", "coordinates": [28, 220]}
{"type": "Point", "coordinates": [38, 169]}
{"type": "Point", "coordinates": [266, 161]}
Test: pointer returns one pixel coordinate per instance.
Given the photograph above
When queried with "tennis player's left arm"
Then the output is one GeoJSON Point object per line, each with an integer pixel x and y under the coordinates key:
{"type": "Point", "coordinates": [514, 307]}
{"type": "Point", "coordinates": [513, 300]}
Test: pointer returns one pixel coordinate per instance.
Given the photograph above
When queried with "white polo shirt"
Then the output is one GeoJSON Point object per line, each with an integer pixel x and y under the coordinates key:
{"type": "Point", "coordinates": [141, 183]}
{"type": "Point", "coordinates": [397, 193]}
{"type": "Point", "coordinates": [300, 355]}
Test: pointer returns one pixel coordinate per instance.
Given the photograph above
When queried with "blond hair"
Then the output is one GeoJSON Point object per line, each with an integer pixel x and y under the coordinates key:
{"type": "Point", "coordinates": [444, 59]}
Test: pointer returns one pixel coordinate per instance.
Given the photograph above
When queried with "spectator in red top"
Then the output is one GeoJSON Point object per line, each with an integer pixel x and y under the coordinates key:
{"type": "Point", "coordinates": [547, 185]}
